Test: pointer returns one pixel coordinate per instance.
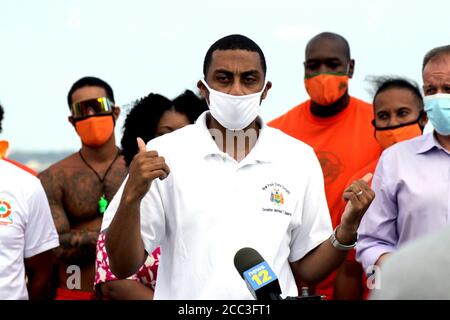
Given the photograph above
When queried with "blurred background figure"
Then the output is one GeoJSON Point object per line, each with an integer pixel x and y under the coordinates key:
{"type": "Point", "coordinates": [418, 271]}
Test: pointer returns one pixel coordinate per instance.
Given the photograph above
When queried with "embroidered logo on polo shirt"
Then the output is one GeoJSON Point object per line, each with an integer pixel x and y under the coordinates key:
{"type": "Point", "coordinates": [277, 194]}
{"type": "Point", "coordinates": [276, 197]}
{"type": "Point", "coordinates": [5, 213]}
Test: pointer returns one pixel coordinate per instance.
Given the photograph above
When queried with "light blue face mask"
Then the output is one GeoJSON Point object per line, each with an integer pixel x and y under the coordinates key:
{"type": "Point", "coordinates": [437, 108]}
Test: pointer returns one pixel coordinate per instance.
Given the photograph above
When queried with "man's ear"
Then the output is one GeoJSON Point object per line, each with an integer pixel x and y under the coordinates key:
{"type": "Point", "coordinates": [203, 90]}
{"type": "Point", "coordinates": [71, 120]}
{"type": "Point", "coordinates": [351, 68]}
{"type": "Point", "coordinates": [266, 90]}
{"type": "Point", "coordinates": [423, 120]}
{"type": "Point", "coordinates": [116, 112]}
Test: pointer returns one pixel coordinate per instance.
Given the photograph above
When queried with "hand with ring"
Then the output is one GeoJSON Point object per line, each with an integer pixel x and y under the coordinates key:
{"type": "Point", "coordinates": [359, 196]}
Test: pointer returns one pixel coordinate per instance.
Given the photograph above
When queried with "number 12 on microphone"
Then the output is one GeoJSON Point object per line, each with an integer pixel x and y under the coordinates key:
{"type": "Point", "coordinates": [259, 275]}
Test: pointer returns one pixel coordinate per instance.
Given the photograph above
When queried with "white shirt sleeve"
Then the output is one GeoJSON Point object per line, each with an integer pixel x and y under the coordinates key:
{"type": "Point", "coordinates": [314, 226]}
{"type": "Point", "coordinates": [153, 218]}
{"type": "Point", "coordinates": [40, 232]}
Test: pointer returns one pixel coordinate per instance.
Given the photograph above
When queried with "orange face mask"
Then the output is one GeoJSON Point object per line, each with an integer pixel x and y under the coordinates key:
{"type": "Point", "coordinates": [387, 137]}
{"type": "Point", "coordinates": [96, 130]}
{"type": "Point", "coordinates": [326, 88]}
{"type": "Point", "coordinates": [4, 145]}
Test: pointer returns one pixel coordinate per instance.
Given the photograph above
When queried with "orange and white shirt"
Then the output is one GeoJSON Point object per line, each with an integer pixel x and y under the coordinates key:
{"type": "Point", "coordinates": [26, 227]}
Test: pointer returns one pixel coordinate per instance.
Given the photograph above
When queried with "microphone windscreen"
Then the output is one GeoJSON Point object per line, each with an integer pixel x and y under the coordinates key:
{"type": "Point", "coordinates": [245, 259]}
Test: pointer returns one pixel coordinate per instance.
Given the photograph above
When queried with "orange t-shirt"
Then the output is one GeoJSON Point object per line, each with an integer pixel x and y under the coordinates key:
{"type": "Point", "coordinates": [344, 144]}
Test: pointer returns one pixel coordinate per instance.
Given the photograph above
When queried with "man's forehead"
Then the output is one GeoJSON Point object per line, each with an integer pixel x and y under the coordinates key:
{"type": "Point", "coordinates": [88, 93]}
{"type": "Point", "coordinates": [325, 49]}
{"type": "Point", "coordinates": [235, 59]}
{"type": "Point", "coordinates": [438, 67]}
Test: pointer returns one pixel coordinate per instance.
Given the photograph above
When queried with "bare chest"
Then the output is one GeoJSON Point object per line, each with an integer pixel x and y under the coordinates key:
{"type": "Point", "coordinates": [84, 193]}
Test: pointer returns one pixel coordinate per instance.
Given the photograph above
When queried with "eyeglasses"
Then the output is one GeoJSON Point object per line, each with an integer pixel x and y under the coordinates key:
{"type": "Point", "coordinates": [92, 107]}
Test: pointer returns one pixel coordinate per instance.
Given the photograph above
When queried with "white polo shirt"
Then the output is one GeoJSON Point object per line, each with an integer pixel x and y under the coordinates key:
{"type": "Point", "coordinates": [26, 227]}
{"type": "Point", "coordinates": [210, 206]}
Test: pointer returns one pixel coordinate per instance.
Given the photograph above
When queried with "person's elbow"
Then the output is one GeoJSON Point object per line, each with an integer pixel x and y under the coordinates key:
{"type": "Point", "coordinates": [121, 264]}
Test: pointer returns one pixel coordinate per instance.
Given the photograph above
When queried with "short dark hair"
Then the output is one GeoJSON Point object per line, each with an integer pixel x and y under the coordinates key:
{"type": "Point", "coordinates": [332, 36]}
{"type": "Point", "coordinates": [233, 42]}
{"type": "Point", "coordinates": [385, 83]}
{"type": "Point", "coordinates": [90, 82]}
{"type": "Point", "coordinates": [1, 117]}
{"type": "Point", "coordinates": [143, 118]}
{"type": "Point", "coordinates": [435, 53]}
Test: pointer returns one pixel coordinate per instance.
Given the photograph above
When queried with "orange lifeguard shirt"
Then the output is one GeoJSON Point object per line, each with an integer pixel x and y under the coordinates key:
{"type": "Point", "coordinates": [344, 144]}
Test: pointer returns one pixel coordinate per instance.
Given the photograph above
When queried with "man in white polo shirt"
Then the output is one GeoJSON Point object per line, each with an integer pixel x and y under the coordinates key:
{"type": "Point", "coordinates": [27, 235]}
{"type": "Point", "coordinates": [233, 183]}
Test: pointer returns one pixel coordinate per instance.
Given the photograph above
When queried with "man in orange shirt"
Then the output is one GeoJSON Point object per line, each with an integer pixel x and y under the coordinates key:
{"type": "Point", "coordinates": [339, 129]}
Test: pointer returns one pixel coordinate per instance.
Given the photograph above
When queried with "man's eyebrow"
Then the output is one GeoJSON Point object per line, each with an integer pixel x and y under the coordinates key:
{"type": "Point", "coordinates": [222, 71]}
{"type": "Point", "coordinates": [326, 59]}
{"type": "Point", "coordinates": [251, 72]}
{"type": "Point", "coordinates": [333, 59]}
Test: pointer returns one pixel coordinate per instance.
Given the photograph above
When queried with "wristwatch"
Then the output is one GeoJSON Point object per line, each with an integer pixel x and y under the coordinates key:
{"type": "Point", "coordinates": [335, 242]}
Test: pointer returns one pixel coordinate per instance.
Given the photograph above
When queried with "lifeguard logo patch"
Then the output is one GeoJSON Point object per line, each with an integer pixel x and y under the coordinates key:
{"type": "Point", "coordinates": [5, 213]}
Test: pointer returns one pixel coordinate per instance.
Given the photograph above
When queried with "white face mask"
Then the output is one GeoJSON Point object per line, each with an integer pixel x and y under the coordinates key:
{"type": "Point", "coordinates": [233, 112]}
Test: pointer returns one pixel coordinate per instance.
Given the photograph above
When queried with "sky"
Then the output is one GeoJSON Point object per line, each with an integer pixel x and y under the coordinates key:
{"type": "Point", "coordinates": [144, 46]}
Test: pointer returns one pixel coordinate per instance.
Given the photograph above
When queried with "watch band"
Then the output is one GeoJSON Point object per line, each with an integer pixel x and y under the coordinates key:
{"type": "Point", "coordinates": [335, 242]}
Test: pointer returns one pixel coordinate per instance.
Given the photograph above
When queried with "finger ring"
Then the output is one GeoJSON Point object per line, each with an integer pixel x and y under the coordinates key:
{"type": "Point", "coordinates": [359, 193]}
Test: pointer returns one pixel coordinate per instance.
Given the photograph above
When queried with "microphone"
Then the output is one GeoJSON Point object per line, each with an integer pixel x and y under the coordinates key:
{"type": "Point", "coordinates": [259, 277]}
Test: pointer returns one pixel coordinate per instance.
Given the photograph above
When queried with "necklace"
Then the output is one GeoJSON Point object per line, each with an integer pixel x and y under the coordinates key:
{"type": "Point", "coordinates": [102, 202]}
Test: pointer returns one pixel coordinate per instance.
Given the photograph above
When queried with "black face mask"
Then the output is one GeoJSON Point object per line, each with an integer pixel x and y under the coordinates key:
{"type": "Point", "coordinates": [389, 136]}
{"type": "Point", "coordinates": [421, 113]}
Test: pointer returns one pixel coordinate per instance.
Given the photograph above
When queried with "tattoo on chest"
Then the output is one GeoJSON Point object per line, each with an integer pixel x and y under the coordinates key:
{"type": "Point", "coordinates": [84, 193]}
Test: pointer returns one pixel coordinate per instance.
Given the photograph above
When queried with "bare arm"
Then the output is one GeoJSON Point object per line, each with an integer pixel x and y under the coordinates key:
{"type": "Point", "coordinates": [349, 284]}
{"type": "Point", "coordinates": [324, 259]}
{"type": "Point", "coordinates": [76, 246]}
{"type": "Point", "coordinates": [318, 263]}
{"type": "Point", "coordinates": [126, 290]}
{"type": "Point", "coordinates": [123, 239]}
{"type": "Point", "coordinates": [382, 258]}
{"type": "Point", "coordinates": [39, 273]}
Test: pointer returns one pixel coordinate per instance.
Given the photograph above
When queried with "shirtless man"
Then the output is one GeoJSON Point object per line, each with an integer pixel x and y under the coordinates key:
{"type": "Point", "coordinates": [80, 186]}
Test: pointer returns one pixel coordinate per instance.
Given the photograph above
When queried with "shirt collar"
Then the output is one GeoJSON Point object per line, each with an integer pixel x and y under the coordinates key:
{"type": "Point", "coordinates": [430, 142]}
{"type": "Point", "coordinates": [208, 146]}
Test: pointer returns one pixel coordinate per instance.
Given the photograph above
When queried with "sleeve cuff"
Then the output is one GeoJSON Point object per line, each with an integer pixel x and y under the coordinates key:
{"type": "Point", "coordinates": [370, 255]}
{"type": "Point", "coordinates": [299, 254]}
{"type": "Point", "coordinates": [50, 244]}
